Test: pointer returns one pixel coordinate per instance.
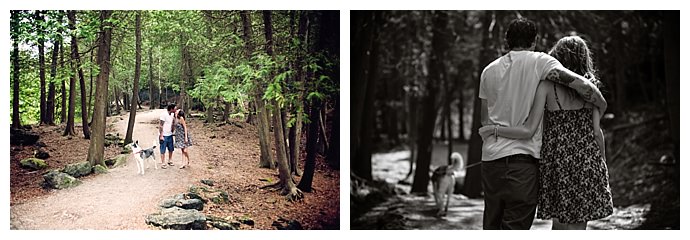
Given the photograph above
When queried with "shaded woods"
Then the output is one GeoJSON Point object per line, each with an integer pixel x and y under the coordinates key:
{"type": "Point", "coordinates": [415, 77]}
{"type": "Point", "coordinates": [273, 75]}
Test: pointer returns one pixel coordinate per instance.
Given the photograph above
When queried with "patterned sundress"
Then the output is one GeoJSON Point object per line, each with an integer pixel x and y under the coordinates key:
{"type": "Point", "coordinates": [574, 180]}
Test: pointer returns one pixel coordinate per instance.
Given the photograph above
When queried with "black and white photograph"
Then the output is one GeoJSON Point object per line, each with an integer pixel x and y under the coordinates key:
{"type": "Point", "coordinates": [514, 119]}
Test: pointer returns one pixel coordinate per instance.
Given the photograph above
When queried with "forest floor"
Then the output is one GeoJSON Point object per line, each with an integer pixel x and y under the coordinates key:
{"type": "Point", "coordinates": [401, 210]}
{"type": "Point", "coordinates": [121, 199]}
{"type": "Point", "coordinates": [644, 177]}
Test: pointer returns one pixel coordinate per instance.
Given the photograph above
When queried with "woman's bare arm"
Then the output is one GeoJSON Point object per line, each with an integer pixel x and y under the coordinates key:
{"type": "Point", "coordinates": [184, 124]}
{"type": "Point", "coordinates": [598, 133]}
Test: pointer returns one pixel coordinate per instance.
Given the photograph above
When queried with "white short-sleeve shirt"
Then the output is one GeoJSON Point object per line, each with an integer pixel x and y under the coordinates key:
{"type": "Point", "coordinates": [508, 84]}
{"type": "Point", "coordinates": [167, 123]}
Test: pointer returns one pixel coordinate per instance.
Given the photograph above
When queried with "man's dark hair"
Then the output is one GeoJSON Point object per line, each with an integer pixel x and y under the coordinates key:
{"type": "Point", "coordinates": [171, 107]}
{"type": "Point", "coordinates": [521, 33]}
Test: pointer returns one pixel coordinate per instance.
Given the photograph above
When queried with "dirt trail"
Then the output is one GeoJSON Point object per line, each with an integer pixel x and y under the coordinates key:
{"type": "Point", "coordinates": [119, 199]}
{"type": "Point", "coordinates": [409, 211]}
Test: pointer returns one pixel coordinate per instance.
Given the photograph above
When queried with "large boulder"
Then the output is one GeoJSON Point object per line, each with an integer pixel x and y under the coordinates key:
{"type": "Point", "coordinates": [178, 219]}
{"type": "Point", "coordinates": [119, 160]}
{"type": "Point", "coordinates": [78, 169]}
{"type": "Point", "coordinates": [33, 164]}
{"type": "Point", "coordinates": [60, 180]}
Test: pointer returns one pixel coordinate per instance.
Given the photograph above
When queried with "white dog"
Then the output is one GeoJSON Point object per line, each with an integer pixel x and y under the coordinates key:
{"type": "Point", "coordinates": [443, 180]}
{"type": "Point", "coordinates": [143, 154]}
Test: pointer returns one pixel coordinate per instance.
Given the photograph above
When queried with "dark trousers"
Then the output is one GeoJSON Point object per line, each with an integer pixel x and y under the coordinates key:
{"type": "Point", "coordinates": [510, 192]}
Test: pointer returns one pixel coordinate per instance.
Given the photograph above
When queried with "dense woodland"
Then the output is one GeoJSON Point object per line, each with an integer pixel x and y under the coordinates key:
{"type": "Point", "coordinates": [276, 70]}
{"type": "Point", "coordinates": [415, 77]}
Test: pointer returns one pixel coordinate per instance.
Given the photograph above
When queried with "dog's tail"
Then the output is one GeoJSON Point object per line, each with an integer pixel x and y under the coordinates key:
{"type": "Point", "coordinates": [456, 157]}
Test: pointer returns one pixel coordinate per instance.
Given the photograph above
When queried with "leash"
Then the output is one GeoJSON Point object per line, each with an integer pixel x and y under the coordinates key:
{"type": "Point", "coordinates": [473, 165]}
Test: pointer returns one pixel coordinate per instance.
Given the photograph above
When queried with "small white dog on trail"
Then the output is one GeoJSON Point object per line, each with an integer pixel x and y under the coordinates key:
{"type": "Point", "coordinates": [443, 180]}
{"type": "Point", "coordinates": [141, 155]}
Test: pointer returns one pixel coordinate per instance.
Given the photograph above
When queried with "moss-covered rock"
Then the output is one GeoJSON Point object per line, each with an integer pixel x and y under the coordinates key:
{"type": "Point", "coordinates": [78, 169]}
{"type": "Point", "coordinates": [119, 160]}
{"type": "Point", "coordinates": [99, 169]}
{"type": "Point", "coordinates": [60, 180]}
{"type": "Point", "coordinates": [33, 164]}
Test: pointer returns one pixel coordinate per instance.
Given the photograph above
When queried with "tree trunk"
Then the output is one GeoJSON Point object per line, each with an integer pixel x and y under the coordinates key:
{"type": "Point", "coordinates": [296, 137]}
{"type": "Point", "coordinates": [151, 98]}
{"type": "Point", "coordinates": [365, 74]}
{"type": "Point", "coordinates": [14, 25]}
{"type": "Point", "coordinates": [461, 110]}
{"type": "Point", "coordinates": [671, 35]}
{"type": "Point", "coordinates": [41, 64]}
{"type": "Point", "coordinates": [71, 15]}
{"type": "Point", "coordinates": [63, 104]}
{"type": "Point", "coordinates": [226, 111]}
{"type": "Point", "coordinates": [209, 112]}
{"type": "Point", "coordinates": [95, 155]}
{"type": "Point", "coordinates": [137, 75]}
{"type": "Point", "coordinates": [69, 128]}
{"type": "Point", "coordinates": [449, 121]}
{"type": "Point", "coordinates": [439, 45]}
{"type": "Point", "coordinates": [266, 161]}
{"type": "Point", "coordinates": [473, 179]}
{"type": "Point", "coordinates": [183, 78]}
{"type": "Point", "coordinates": [312, 137]}
{"type": "Point", "coordinates": [50, 111]}
{"type": "Point", "coordinates": [90, 105]}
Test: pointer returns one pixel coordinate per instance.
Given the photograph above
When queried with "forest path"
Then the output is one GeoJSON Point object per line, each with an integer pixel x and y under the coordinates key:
{"type": "Point", "coordinates": [409, 211]}
{"type": "Point", "coordinates": [120, 199]}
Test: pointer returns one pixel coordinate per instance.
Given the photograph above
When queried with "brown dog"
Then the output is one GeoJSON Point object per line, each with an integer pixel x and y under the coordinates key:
{"type": "Point", "coordinates": [443, 180]}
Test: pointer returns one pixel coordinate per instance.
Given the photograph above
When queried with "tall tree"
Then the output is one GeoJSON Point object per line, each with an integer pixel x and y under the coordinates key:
{"type": "Point", "coordinates": [69, 128]}
{"type": "Point", "coordinates": [40, 22]}
{"type": "Point", "coordinates": [76, 64]}
{"type": "Point", "coordinates": [181, 102]}
{"type": "Point", "coordinates": [63, 92]}
{"type": "Point", "coordinates": [288, 185]}
{"type": "Point", "coordinates": [490, 38]}
{"type": "Point", "coordinates": [300, 81]}
{"type": "Point", "coordinates": [364, 71]}
{"type": "Point", "coordinates": [95, 155]}
{"type": "Point", "coordinates": [436, 73]}
{"type": "Point", "coordinates": [325, 51]}
{"type": "Point", "coordinates": [152, 103]}
{"type": "Point", "coordinates": [14, 32]}
{"type": "Point", "coordinates": [135, 89]}
{"type": "Point", "coordinates": [50, 102]}
{"type": "Point", "coordinates": [266, 161]}
{"type": "Point", "coordinates": [671, 26]}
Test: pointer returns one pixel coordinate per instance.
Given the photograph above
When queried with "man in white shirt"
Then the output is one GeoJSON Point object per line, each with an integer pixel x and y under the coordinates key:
{"type": "Point", "coordinates": [509, 166]}
{"type": "Point", "coordinates": [165, 130]}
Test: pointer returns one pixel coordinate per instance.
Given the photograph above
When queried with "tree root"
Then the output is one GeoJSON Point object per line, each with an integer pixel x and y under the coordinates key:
{"type": "Point", "coordinates": [292, 194]}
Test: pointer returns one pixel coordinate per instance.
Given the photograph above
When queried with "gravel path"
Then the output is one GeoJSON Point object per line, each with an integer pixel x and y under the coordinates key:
{"type": "Point", "coordinates": [118, 200]}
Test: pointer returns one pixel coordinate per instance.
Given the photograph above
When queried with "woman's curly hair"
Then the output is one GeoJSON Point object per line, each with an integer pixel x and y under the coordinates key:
{"type": "Point", "coordinates": [573, 53]}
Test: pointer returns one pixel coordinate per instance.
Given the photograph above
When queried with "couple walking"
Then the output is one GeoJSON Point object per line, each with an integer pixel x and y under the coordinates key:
{"type": "Point", "coordinates": [557, 169]}
{"type": "Point", "coordinates": [173, 121]}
